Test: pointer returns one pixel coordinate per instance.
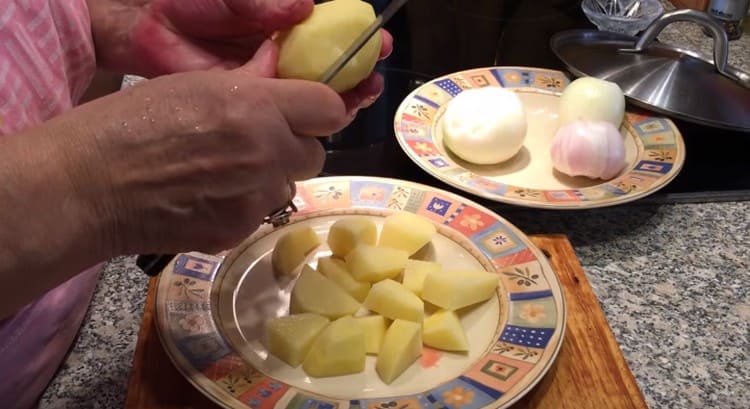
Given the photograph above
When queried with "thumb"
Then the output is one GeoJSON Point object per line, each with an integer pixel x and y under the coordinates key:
{"type": "Point", "coordinates": [263, 63]}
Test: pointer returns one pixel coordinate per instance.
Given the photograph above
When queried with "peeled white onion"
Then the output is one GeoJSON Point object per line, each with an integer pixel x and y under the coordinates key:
{"type": "Point", "coordinates": [485, 125]}
{"type": "Point", "coordinates": [586, 148]}
{"type": "Point", "coordinates": [592, 99]}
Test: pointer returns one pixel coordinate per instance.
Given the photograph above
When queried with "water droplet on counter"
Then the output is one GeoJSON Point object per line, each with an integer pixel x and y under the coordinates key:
{"type": "Point", "coordinates": [144, 117]}
{"type": "Point", "coordinates": [234, 89]}
{"type": "Point", "coordinates": [148, 99]}
{"type": "Point", "coordinates": [195, 108]}
{"type": "Point", "coordinates": [198, 128]}
{"type": "Point", "coordinates": [124, 124]}
{"type": "Point", "coordinates": [152, 120]}
{"type": "Point", "coordinates": [177, 109]}
{"type": "Point", "coordinates": [149, 110]}
{"type": "Point", "coordinates": [179, 119]}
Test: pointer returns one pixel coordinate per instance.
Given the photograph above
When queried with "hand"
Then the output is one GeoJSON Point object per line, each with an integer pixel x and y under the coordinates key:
{"type": "Point", "coordinates": [157, 37]}
{"type": "Point", "coordinates": [194, 161]}
{"type": "Point", "coordinates": [190, 161]}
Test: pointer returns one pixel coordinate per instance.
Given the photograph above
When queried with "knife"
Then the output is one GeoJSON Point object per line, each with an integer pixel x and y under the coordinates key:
{"type": "Point", "coordinates": [153, 264]}
{"type": "Point", "coordinates": [380, 21]}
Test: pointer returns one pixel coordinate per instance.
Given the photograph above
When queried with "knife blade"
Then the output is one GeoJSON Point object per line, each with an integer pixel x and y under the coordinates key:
{"type": "Point", "coordinates": [359, 42]}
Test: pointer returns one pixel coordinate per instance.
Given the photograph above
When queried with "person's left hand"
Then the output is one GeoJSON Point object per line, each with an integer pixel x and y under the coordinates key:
{"type": "Point", "coordinates": [157, 37]}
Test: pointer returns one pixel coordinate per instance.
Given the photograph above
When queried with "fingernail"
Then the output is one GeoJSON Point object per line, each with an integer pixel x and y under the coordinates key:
{"type": "Point", "coordinates": [264, 49]}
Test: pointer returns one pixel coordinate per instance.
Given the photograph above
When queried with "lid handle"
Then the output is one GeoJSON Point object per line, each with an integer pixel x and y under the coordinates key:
{"type": "Point", "coordinates": [721, 47]}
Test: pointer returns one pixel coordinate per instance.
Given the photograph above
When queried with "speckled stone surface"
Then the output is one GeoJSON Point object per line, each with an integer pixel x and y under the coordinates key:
{"type": "Point", "coordinates": [673, 280]}
{"type": "Point", "coordinates": [690, 36]}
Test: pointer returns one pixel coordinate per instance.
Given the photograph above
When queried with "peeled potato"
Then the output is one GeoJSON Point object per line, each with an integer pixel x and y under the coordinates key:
{"type": "Point", "coordinates": [406, 231]}
{"type": "Point", "coordinates": [347, 233]}
{"type": "Point", "coordinates": [313, 292]}
{"type": "Point", "coordinates": [290, 337]}
{"type": "Point", "coordinates": [336, 271]}
{"type": "Point", "coordinates": [338, 350]}
{"type": "Point", "coordinates": [402, 345]}
{"type": "Point", "coordinates": [443, 330]}
{"type": "Point", "coordinates": [374, 327]}
{"type": "Point", "coordinates": [415, 272]}
{"type": "Point", "coordinates": [392, 300]}
{"type": "Point", "coordinates": [292, 248]}
{"type": "Point", "coordinates": [308, 49]}
{"type": "Point", "coordinates": [375, 263]}
{"type": "Point", "coordinates": [452, 290]}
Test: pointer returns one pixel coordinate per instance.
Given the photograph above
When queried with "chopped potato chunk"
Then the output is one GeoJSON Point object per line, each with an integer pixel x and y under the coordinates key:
{"type": "Point", "coordinates": [402, 345]}
{"type": "Point", "coordinates": [290, 337]}
{"type": "Point", "coordinates": [315, 293]}
{"type": "Point", "coordinates": [292, 248]}
{"type": "Point", "coordinates": [339, 350]}
{"type": "Point", "coordinates": [375, 263]}
{"type": "Point", "coordinates": [392, 300]}
{"type": "Point", "coordinates": [335, 270]}
{"type": "Point", "coordinates": [452, 290]}
{"type": "Point", "coordinates": [345, 234]}
{"type": "Point", "coordinates": [443, 330]}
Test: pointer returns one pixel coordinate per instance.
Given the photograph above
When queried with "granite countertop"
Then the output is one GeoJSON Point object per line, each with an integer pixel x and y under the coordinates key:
{"type": "Point", "coordinates": [671, 279]}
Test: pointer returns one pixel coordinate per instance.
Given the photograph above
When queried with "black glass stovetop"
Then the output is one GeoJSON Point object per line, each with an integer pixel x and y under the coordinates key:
{"type": "Point", "coordinates": [438, 37]}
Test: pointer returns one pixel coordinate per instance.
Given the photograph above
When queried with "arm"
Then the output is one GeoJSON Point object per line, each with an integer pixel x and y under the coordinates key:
{"type": "Point", "coordinates": [124, 175]}
{"type": "Point", "coordinates": [48, 231]}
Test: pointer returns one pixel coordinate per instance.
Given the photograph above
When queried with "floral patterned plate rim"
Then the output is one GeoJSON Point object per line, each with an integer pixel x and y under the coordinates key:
{"type": "Point", "coordinates": [211, 309]}
{"type": "Point", "coordinates": [654, 145]}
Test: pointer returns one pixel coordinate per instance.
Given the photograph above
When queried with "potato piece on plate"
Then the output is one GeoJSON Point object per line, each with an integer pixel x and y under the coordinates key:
{"type": "Point", "coordinates": [338, 350]}
{"type": "Point", "coordinates": [315, 293]}
{"type": "Point", "coordinates": [347, 233]}
{"type": "Point", "coordinates": [415, 272]}
{"type": "Point", "coordinates": [406, 231]}
{"type": "Point", "coordinates": [309, 48]}
{"type": "Point", "coordinates": [452, 290]}
{"type": "Point", "coordinates": [443, 330]}
{"type": "Point", "coordinates": [402, 345]}
{"type": "Point", "coordinates": [375, 327]}
{"type": "Point", "coordinates": [292, 248]}
{"type": "Point", "coordinates": [392, 300]}
{"type": "Point", "coordinates": [375, 263]}
{"type": "Point", "coordinates": [290, 337]}
{"type": "Point", "coordinates": [336, 271]}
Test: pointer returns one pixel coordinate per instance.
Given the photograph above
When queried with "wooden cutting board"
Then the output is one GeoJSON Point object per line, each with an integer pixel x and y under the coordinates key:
{"type": "Point", "coordinates": [590, 371]}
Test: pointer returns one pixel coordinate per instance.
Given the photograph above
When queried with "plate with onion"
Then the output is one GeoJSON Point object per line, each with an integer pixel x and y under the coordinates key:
{"type": "Point", "coordinates": [534, 137]}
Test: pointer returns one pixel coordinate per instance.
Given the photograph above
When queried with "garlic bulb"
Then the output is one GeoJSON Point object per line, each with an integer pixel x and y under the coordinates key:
{"type": "Point", "coordinates": [586, 148]}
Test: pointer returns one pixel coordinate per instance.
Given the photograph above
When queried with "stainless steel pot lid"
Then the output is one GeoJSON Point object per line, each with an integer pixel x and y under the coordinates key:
{"type": "Point", "coordinates": [664, 78]}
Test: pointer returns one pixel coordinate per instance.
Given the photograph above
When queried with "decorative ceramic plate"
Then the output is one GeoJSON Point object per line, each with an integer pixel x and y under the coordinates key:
{"type": "Point", "coordinates": [211, 310]}
{"type": "Point", "coordinates": [655, 150]}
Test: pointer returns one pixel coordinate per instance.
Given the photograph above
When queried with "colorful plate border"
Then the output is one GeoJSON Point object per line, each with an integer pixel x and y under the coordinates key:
{"type": "Point", "coordinates": [524, 351]}
{"type": "Point", "coordinates": [661, 149]}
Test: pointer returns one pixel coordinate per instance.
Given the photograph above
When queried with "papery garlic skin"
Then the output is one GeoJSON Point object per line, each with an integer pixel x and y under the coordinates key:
{"type": "Point", "coordinates": [485, 125]}
{"type": "Point", "coordinates": [588, 148]}
{"type": "Point", "coordinates": [591, 99]}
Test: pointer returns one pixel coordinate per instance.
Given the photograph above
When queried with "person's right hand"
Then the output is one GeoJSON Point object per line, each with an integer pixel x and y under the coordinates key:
{"type": "Point", "coordinates": [195, 161]}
